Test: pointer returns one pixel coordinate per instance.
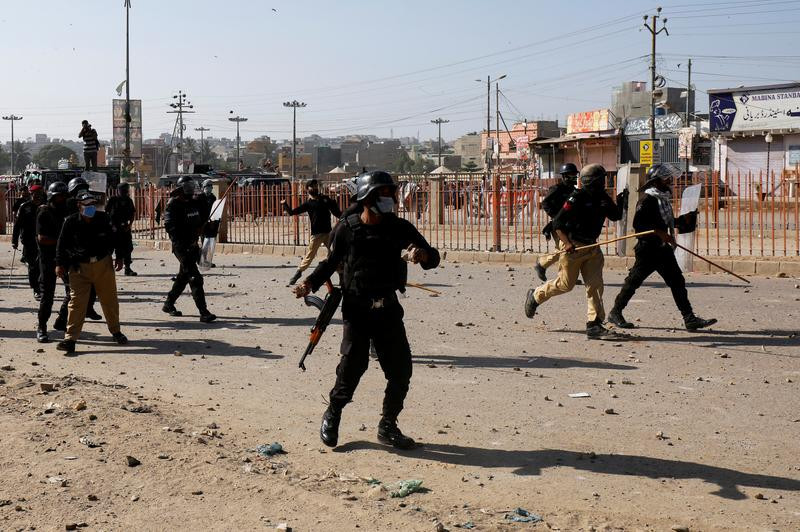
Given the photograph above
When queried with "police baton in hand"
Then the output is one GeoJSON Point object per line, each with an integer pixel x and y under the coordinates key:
{"type": "Point", "coordinates": [597, 244]}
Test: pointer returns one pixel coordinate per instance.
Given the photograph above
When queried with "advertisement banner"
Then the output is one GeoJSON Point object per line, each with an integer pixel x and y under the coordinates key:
{"type": "Point", "coordinates": [118, 119]}
{"type": "Point", "coordinates": [646, 152]}
{"type": "Point", "coordinates": [685, 137]}
{"type": "Point", "coordinates": [588, 122]}
{"type": "Point", "coordinates": [763, 109]}
{"type": "Point", "coordinates": [664, 124]}
{"type": "Point", "coordinates": [523, 150]}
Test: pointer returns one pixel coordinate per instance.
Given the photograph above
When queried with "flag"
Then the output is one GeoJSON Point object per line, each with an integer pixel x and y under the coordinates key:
{"type": "Point", "coordinates": [120, 87]}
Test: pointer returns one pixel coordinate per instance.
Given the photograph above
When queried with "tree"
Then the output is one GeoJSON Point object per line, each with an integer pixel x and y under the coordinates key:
{"type": "Point", "coordinates": [50, 154]}
{"type": "Point", "coordinates": [423, 165]}
{"type": "Point", "coordinates": [5, 161]}
{"type": "Point", "coordinates": [22, 157]}
{"type": "Point", "coordinates": [261, 145]}
{"type": "Point", "coordinates": [470, 167]}
{"type": "Point", "coordinates": [402, 164]}
{"type": "Point", "coordinates": [189, 147]}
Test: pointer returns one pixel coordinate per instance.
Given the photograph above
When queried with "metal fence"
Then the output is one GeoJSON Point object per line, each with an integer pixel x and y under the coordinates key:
{"type": "Point", "coordinates": [749, 215]}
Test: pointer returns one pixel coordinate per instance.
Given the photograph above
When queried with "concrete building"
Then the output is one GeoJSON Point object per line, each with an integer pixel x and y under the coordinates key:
{"type": "Point", "coordinates": [326, 159]}
{"type": "Point", "coordinates": [379, 155]}
{"type": "Point", "coordinates": [468, 147]}
{"type": "Point", "coordinates": [514, 144]}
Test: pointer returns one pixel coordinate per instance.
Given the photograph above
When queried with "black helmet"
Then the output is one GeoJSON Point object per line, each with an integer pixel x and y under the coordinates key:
{"type": "Point", "coordinates": [592, 174]}
{"type": "Point", "coordinates": [76, 184]}
{"type": "Point", "coordinates": [57, 188]}
{"type": "Point", "coordinates": [664, 172]}
{"type": "Point", "coordinates": [352, 187]}
{"type": "Point", "coordinates": [568, 169]}
{"type": "Point", "coordinates": [371, 181]}
{"type": "Point", "coordinates": [187, 184]}
{"type": "Point", "coordinates": [123, 185]}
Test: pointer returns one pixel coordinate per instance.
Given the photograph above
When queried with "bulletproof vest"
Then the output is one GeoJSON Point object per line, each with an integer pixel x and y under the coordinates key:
{"type": "Point", "coordinates": [373, 266]}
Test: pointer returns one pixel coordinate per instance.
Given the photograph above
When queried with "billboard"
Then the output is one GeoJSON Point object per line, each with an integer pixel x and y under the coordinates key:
{"type": "Point", "coordinates": [118, 118]}
{"type": "Point", "coordinates": [588, 122]}
{"type": "Point", "coordinates": [755, 109]}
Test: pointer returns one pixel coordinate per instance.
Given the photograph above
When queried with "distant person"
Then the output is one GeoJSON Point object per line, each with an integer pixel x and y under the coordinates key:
{"type": "Point", "coordinates": [122, 212]}
{"type": "Point", "coordinates": [24, 195]}
{"type": "Point", "coordinates": [25, 231]}
{"type": "Point", "coordinates": [83, 252]}
{"type": "Point", "coordinates": [49, 220]}
{"type": "Point", "coordinates": [319, 208]}
{"type": "Point", "coordinates": [91, 145]}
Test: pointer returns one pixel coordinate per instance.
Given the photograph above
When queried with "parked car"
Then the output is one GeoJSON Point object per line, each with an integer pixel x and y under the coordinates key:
{"type": "Point", "coordinates": [170, 180]}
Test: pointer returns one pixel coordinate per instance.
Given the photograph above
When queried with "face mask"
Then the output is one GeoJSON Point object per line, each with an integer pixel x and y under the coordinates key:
{"type": "Point", "coordinates": [383, 205]}
{"type": "Point", "coordinates": [89, 211]}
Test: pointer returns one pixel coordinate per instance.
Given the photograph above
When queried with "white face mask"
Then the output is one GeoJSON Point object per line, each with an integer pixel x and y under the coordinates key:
{"type": "Point", "coordinates": [384, 205]}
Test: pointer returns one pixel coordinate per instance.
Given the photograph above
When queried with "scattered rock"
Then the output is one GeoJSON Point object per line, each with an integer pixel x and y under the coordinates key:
{"type": "Point", "coordinates": [61, 481]}
{"type": "Point", "coordinates": [132, 462]}
{"type": "Point", "coordinates": [7, 368]}
{"type": "Point", "coordinates": [679, 528]}
{"type": "Point", "coordinates": [610, 411]}
{"type": "Point", "coordinates": [760, 497]}
{"type": "Point", "coordinates": [178, 354]}
{"type": "Point", "coordinates": [92, 498]}
{"type": "Point", "coordinates": [283, 526]}
{"type": "Point", "coordinates": [197, 492]}
{"type": "Point", "coordinates": [47, 386]}
{"type": "Point", "coordinates": [79, 405]}
{"type": "Point", "coordinates": [134, 498]}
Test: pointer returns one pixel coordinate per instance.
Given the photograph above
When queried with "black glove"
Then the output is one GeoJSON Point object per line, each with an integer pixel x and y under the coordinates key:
{"type": "Point", "coordinates": [622, 198]}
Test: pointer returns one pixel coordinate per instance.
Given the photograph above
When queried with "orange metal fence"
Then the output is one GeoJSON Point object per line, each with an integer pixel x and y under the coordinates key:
{"type": "Point", "coordinates": [746, 215]}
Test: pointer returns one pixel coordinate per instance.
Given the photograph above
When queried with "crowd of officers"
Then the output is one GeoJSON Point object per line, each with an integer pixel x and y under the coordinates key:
{"type": "Point", "coordinates": [65, 236]}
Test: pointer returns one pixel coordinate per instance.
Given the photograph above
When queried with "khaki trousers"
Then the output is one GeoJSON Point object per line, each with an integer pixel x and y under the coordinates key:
{"type": "Point", "coordinates": [548, 259]}
{"type": "Point", "coordinates": [589, 264]}
{"type": "Point", "coordinates": [311, 251]}
{"type": "Point", "coordinates": [102, 276]}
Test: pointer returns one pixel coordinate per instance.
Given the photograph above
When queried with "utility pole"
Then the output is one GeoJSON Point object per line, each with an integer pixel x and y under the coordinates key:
{"type": "Point", "coordinates": [13, 118]}
{"type": "Point", "coordinates": [127, 157]}
{"type": "Point", "coordinates": [688, 120]}
{"type": "Point", "coordinates": [489, 81]}
{"type": "Point", "coordinates": [439, 122]}
{"type": "Point", "coordinates": [238, 119]}
{"type": "Point", "coordinates": [202, 130]}
{"type": "Point", "coordinates": [497, 123]}
{"type": "Point", "coordinates": [654, 31]}
{"type": "Point", "coordinates": [294, 104]}
{"type": "Point", "coordinates": [178, 105]}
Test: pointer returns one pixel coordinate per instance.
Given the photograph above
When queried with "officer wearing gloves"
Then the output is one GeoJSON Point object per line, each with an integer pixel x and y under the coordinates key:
{"type": "Point", "coordinates": [122, 212]}
{"type": "Point", "coordinates": [49, 220]}
{"type": "Point", "coordinates": [369, 244]}
{"type": "Point", "coordinates": [655, 252]}
{"type": "Point", "coordinates": [75, 186]}
{"type": "Point", "coordinates": [580, 222]}
{"type": "Point", "coordinates": [83, 253]}
{"type": "Point", "coordinates": [25, 231]}
{"type": "Point", "coordinates": [184, 218]}
{"type": "Point", "coordinates": [552, 203]}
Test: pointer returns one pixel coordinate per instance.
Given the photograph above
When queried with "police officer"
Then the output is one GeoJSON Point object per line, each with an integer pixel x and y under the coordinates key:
{"type": "Point", "coordinates": [369, 244]}
{"type": "Point", "coordinates": [184, 218]}
{"type": "Point", "coordinates": [655, 253]}
{"type": "Point", "coordinates": [75, 186]}
{"type": "Point", "coordinates": [83, 252]}
{"type": "Point", "coordinates": [25, 230]}
{"type": "Point", "coordinates": [552, 203]}
{"type": "Point", "coordinates": [49, 220]}
{"type": "Point", "coordinates": [24, 195]}
{"type": "Point", "coordinates": [580, 222]}
{"type": "Point", "coordinates": [122, 212]}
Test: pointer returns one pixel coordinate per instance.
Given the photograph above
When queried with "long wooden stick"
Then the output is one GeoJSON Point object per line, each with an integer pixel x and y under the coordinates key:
{"type": "Point", "coordinates": [421, 287]}
{"type": "Point", "coordinates": [714, 264]}
{"type": "Point", "coordinates": [596, 244]}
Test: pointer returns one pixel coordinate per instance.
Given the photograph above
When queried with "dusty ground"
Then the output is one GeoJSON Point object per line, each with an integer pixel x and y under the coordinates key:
{"type": "Point", "coordinates": [705, 432]}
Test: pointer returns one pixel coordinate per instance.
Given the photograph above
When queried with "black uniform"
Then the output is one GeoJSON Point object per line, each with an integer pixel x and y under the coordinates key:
{"type": "Point", "coordinates": [554, 200]}
{"type": "Point", "coordinates": [319, 211]}
{"type": "Point", "coordinates": [183, 220]}
{"type": "Point", "coordinates": [18, 203]}
{"type": "Point", "coordinates": [122, 211]}
{"type": "Point", "coordinates": [584, 213]}
{"type": "Point", "coordinates": [211, 228]}
{"type": "Point", "coordinates": [25, 231]}
{"type": "Point", "coordinates": [653, 255]}
{"type": "Point", "coordinates": [49, 221]}
{"type": "Point", "coordinates": [370, 308]}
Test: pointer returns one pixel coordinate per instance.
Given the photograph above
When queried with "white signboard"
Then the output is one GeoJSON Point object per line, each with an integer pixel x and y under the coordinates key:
{"type": "Point", "coordinates": [759, 110]}
{"type": "Point", "coordinates": [97, 181]}
{"type": "Point", "coordinates": [689, 203]}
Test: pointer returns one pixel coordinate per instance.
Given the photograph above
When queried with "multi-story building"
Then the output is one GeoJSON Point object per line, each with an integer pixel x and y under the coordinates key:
{"type": "Point", "coordinates": [469, 148]}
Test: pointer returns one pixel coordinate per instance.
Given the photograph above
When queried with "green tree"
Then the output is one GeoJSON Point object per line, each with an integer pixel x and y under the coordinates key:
{"type": "Point", "coordinates": [403, 163]}
{"type": "Point", "coordinates": [22, 157]}
{"type": "Point", "coordinates": [5, 161]}
{"type": "Point", "coordinates": [423, 165]}
{"type": "Point", "coordinates": [50, 154]}
{"type": "Point", "coordinates": [470, 167]}
{"type": "Point", "coordinates": [189, 147]}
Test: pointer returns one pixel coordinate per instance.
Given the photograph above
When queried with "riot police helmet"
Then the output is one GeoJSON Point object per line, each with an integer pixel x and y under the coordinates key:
{"type": "Point", "coordinates": [658, 172]}
{"type": "Point", "coordinates": [593, 177]}
{"type": "Point", "coordinates": [369, 182]}
{"type": "Point", "coordinates": [207, 183]}
{"type": "Point", "coordinates": [352, 187]}
{"type": "Point", "coordinates": [76, 184]}
{"type": "Point", "coordinates": [568, 170]}
{"type": "Point", "coordinates": [57, 188]}
{"type": "Point", "coordinates": [187, 185]}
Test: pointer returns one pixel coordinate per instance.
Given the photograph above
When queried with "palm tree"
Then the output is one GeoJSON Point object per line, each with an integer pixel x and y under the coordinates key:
{"type": "Point", "coordinates": [190, 146]}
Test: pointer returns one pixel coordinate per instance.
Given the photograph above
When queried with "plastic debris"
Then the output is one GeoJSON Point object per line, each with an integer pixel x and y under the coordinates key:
{"type": "Point", "coordinates": [579, 395]}
{"type": "Point", "coordinates": [468, 525]}
{"type": "Point", "coordinates": [271, 449]}
{"type": "Point", "coordinates": [521, 515]}
{"type": "Point", "coordinates": [403, 488]}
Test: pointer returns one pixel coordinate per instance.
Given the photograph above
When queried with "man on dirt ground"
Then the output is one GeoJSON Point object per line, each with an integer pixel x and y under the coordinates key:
{"type": "Point", "coordinates": [184, 219]}
{"type": "Point", "coordinates": [369, 244]}
{"type": "Point", "coordinates": [319, 207]}
{"type": "Point", "coordinates": [83, 253]}
{"type": "Point", "coordinates": [123, 212]}
{"type": "Point", "coordinates": [91, 145]}
{"type": "Point", "coordinates": [579, 223]}
{"type": "Point", "coordinates": [25, 231]}
{"type": "Point", "coordinates": [49, 220]}
{"type": "Point", "coordinates": [552, 203]}
{"type": "Point", "coordinates": [208, 198]}
{"type": "Point", "coordinates": [75, 186]}
{"type": "Point", "coordinates": [656, 252]}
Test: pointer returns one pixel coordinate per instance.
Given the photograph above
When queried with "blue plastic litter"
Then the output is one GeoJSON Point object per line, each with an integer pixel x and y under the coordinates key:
{"type": "Point", "coordinates": [521, 515]}
{"type": "Point", "coordinates": [468, 524]}
{"type": "Point", "coordinates": [271, 449]}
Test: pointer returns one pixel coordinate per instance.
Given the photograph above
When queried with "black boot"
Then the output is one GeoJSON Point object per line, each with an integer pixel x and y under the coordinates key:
{"type": "Point", "coordinates": [530, 304]}
{"type": "Point", "coordinates": [389, 433]}
{"type": "Point", "coordinates": [129, 272]}
{"type": "Point", "coordinates": [41, 335]}
{"type": "Point", "coordinates": [616, 317]}
{"type": "Point", "coordinates": [695, 322]}
{"type": "Point", "coordinates": [60, 324]}
{"type": "Point", "coordinates": [68, 346]}
{"type": "Point", "coordinates": [120, 338]}
{"type": "Point", "coordinates": [93, 315]}
{"type": "Point", "coordinates": [295, 277]}
{"type": "Point", "coordinates": [170, 309]}
{"type": "Point", "coordinates": [329, 430]}
{"type": "Point", "coordinates": [541, 273]}
{"type": "Point", "coordinates": [596, 331]}
{"type": "Point", "coordinates": [207, 317]}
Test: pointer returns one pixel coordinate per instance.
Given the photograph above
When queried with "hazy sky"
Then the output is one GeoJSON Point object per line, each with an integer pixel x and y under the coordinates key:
{"type": "Point", "coordinates": [368, 67]}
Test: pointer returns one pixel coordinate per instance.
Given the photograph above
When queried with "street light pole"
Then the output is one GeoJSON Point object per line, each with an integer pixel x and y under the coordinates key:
{"type": "Point", "coordinates": [238, 119]}
{"type": "Point", "coordinates": [294, 104]}
{"type": "Point", "coordinates": [13, 119]}
{"type": "Point", "coordinates": [439, 122]}
{"type": "Point", "coordinates": [654, 31]}
{"type": "Point", "coordinates": [202, 130]}
{"type": "Point", "coordinates": [495, 175]}
{"type": "Point", "coordinates": [127, 157]}
{"type": "Point", "coordinates": [178, 105]}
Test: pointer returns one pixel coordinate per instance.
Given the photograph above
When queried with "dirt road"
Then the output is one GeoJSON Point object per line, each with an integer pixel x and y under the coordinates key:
{"type": "Point", "coordinates": [696, 430]}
